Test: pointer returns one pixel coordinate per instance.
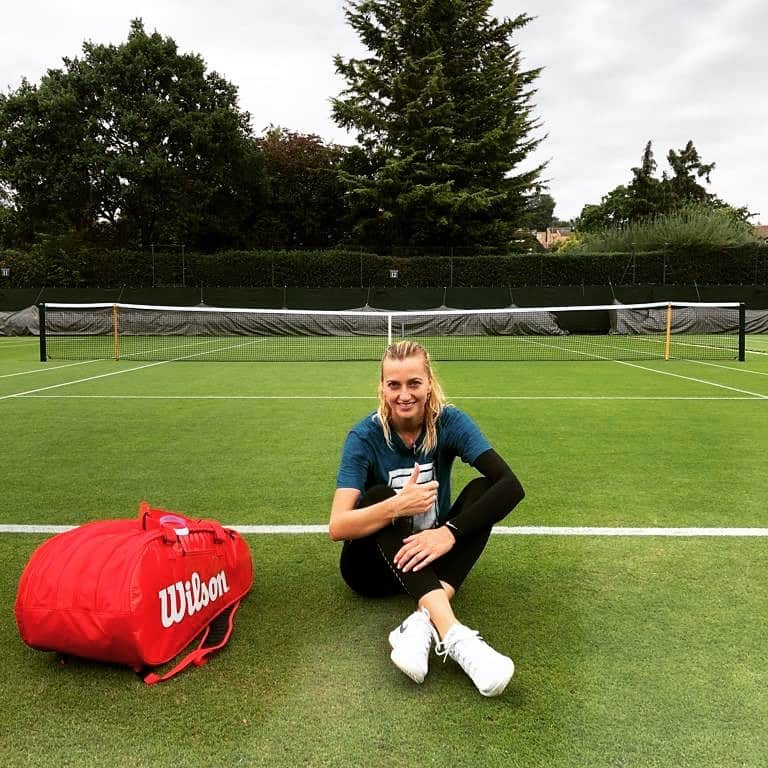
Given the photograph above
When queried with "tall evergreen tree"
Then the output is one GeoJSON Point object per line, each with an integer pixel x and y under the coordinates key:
{"type": "Point", "coordinates": [442, 110]}
{"type": "Point", "coordinates": [647, 194]}
{"type": "Point", "coordinates": [687, 168]}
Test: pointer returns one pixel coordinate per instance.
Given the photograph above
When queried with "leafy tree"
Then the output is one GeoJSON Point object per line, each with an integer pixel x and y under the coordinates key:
{"type": "Point", "coordinates": [442, 110]}
{"type": "Point", "coordinates": [687, 168]}
{"type": "Point", "coordinates": [540, 213]}
{"type": "Point", "coordinates": [614, 209]}
{"type": "Point", "coordinates": [8, 222]}
{"type": "Point", "coordinates": [306, 206]}
{"type": "Point", "coordinates": [136, 137]}
{"type": "Point", "coordinates": [648, 196]}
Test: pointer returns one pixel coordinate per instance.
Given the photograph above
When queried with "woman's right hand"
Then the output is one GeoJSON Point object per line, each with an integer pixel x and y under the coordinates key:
{"type": "Point", "coordinates": [415, 498]}
{"type": "Point", "coordinates": [351, 522]}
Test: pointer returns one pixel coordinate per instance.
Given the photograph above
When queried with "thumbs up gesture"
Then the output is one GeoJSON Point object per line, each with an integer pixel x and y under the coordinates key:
{"type": "Point", "coordinates": [416, 498]}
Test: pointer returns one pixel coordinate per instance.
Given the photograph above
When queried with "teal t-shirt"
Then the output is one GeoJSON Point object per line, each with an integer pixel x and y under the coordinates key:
{"type": "Point", "coordinates": [367, 460]}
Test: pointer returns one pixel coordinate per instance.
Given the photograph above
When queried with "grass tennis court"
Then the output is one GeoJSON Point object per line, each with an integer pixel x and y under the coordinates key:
{"type": "Point", "coordinates": [647, 331]}
{"type": "Point", "coordinates": [630, 650]}
{"type": "Point", "coordinates": [339, 349]}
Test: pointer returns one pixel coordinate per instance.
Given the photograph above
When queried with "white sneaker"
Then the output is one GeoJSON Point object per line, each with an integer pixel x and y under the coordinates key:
{"type": "Point", "coordinates": [411, 643]}
{"type": "Point", "coordinates": [489, 670]}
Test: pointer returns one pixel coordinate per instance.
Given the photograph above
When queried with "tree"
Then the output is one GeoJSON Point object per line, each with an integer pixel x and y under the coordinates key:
{"type": "Point", "coordinates": [442, 110]}
{"type": "Point", "coordinates": [687, 168]}
{"type": "Point", "coordinates": [306, 206]}
{"type": "Point", "coordinates": [540, 213]}
{"type": "Point", "coordinates": [647, 196]}
{"type": "Point", "coordinates": [7, 219]}
{"type": "Point", "coordinates": [614, 209]}
{"type": "Point", "coordinates": [135, 137]}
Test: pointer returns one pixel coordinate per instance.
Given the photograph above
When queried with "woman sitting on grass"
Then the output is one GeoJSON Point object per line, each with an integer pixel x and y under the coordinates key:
{"type": "Point", "coordinates": [392, 510]}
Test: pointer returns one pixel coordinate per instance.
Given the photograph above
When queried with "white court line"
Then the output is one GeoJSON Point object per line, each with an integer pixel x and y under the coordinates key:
{"type": "Point", "coordinates": [730, 368]}
{"type": "Point", "coordinates": [81, 381]}
{"type": "Point", "coordinates": [222, 397]}
{"type": "Point", "coordinates": [692, 378]}
{"type": "Point", "coordinates": [667, 373]}
{"type": "Point", "coordinates": [373, 397]}
{"type": "Point", "coordinates": [753, 395]}
{"type": "Point", "coordinates": [46, 368]}
{"type": "Point", "coordinates": [116, 373]}
{"type": "Point", "coordinates": [523, 530]}
{"type": "Point", "coordinates": [518, 530]}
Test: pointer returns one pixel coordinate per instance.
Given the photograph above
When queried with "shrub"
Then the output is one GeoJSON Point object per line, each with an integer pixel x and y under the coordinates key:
{"type": "Point", "coordinates": [697, 225]}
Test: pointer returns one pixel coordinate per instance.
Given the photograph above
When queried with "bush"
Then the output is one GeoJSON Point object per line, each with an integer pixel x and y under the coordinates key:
{"type": "Point", "coordinates": [61, 264]}
{"type": "Point", "coordinates": [693, 226]}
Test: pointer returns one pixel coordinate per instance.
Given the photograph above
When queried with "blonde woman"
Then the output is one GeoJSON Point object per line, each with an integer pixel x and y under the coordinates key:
{"type": "Point", "coordinates": [392, 508]}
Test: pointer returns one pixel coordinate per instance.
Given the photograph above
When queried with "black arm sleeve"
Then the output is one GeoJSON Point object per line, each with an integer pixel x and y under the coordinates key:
{"type": "Point", "coordinates": [503, 494]}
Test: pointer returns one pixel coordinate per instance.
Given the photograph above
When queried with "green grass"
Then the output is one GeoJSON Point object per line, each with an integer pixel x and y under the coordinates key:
{"type": "Point", "coordinates": [568, 347]}
{"type": "Point", "coordinates": [629, 651]}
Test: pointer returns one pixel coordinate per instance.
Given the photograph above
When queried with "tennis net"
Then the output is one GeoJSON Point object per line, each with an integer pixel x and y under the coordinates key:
{"type": "Point", "coordinates": [606, 332]}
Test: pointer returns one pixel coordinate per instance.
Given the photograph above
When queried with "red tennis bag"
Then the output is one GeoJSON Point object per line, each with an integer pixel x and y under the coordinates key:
{"type": "Point", "coordinates": [135, 592]}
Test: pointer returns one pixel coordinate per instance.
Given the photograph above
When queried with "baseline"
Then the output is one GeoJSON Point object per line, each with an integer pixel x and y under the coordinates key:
{"type": "Point", "coordinates": [517, 530]}
{"type": "Point", "coordinates": [373, 397]}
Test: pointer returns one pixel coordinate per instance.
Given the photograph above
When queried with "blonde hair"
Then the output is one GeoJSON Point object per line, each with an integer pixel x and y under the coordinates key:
{"type": "Point", "coordinates": [435, 401]}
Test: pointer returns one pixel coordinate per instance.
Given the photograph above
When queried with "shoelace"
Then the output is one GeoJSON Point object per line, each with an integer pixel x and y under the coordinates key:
{"type": "Point", "coordinates": [444, 649]}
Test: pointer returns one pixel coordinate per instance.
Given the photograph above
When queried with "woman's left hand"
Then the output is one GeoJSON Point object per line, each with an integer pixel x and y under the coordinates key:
{"type": "Point", "coordinates": [422, 548]}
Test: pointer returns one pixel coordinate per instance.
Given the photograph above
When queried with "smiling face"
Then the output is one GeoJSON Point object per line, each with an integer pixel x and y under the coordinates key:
{"type": "Point", "coordinates": [406, 385]}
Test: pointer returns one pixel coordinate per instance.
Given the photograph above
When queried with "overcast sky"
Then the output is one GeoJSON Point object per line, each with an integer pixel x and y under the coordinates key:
{"type": "Point", "coordinates": [617, 73]}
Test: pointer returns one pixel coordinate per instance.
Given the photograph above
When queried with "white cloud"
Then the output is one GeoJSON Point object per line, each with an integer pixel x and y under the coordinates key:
{"type": "Point", "coordinates": [617, 73]}
{"type": "Point", "coordinates": [621, 73]}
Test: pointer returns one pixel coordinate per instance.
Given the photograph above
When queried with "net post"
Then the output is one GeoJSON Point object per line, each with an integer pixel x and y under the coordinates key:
{"type": "Point", "coordinates": [389, 329]}
{"type": "Point", "coordinates": [116, 331]}
{"type": "Point", "coordinates": [41, 322]}
{"type": "Point", "coordinates": [668, 339]}
{"type": "Point", "coordinates": [742, 332]}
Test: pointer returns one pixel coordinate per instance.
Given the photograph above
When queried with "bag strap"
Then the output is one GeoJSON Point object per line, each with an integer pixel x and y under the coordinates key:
{"type": "Point", "coordinates": [215, 636]}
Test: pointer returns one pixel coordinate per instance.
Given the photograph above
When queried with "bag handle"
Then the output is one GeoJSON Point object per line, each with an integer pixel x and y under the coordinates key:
{"type": "Point", "coordinates": [215, 636]}
{"type": "Point", "coordinates": [174, 525]}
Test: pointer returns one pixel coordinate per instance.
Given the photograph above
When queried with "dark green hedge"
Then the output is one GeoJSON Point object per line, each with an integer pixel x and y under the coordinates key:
{"type": "Point", "coordinates": [60, 265]}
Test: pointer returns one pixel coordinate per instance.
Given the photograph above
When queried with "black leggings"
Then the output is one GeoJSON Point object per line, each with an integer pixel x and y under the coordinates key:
{"type": "Point", "coordinates": [367, 564]}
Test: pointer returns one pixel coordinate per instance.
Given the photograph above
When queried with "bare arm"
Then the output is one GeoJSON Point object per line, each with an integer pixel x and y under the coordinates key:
{"type": "Point", "coordinates": [348, 522]}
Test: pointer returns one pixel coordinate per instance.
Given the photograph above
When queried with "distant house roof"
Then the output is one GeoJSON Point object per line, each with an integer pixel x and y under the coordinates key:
{"type": "Point", "coordinates": [761, 230]}
{"type": "Point", "coordinates": [552, 235]}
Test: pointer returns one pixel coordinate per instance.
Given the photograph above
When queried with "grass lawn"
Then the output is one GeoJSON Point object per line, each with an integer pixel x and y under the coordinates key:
{"type": "Point", "coordinates": [630, 651]}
